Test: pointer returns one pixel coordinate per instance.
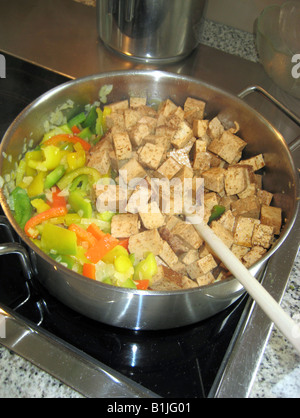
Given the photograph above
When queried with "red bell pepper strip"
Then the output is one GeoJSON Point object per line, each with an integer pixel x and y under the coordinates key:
{"type": "Point", "coordinates": [75, 129]}
{"type": "Point", "coordinates": [89, 270]}
{"type": "Point", "coordinates": [83, 235]}
{"type": "Point", "coordinates": [142, 284]}
{"type": "Point", "coordinates": [57, 201]}
{"type": "Point", "coordinates": [41, 217]}
{"type": "Point", "coordinates": [95, 231]}
{"type": "Point", "coordinates": [124, 243]}
{"type": "Point", "coordinates": [56, 139]}
{"type": "Point", "coordinates": [102, 247]}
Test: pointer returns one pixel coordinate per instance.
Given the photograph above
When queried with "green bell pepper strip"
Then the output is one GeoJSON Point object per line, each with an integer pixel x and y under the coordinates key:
{"type": "Point", "coordinates": [77, 120]}
{"type": "Point", "coordinates": [216, 212]}
{"type": "Point", "coordinates": [80, 204]}
{"type": "Point", "coordinates": [80, 183]}
{"type": "Point", "coordinates": [57, 240]}
{"type": "Point", "coordinates": [86, 134]}
{"type": "Point", "coordinates": [55, 175]}
{"type": "Point", "coordinates": [99, 123]}
{"type": "Point", "coordinates": [68, 178]}
{"type": "Point", "coordinates": [21, 206]}
{"type": "Point", "coordinates": [63, 259]}
{"type": "Point", "coordinates": [90, 120]}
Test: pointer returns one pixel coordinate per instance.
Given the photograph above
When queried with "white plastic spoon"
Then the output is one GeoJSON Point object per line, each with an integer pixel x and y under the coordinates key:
{"type": "Point", "coordinates": [289, 328]}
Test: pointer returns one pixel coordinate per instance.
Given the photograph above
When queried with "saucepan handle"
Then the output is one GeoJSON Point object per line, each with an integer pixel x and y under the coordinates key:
{"type": "Point", "coordinates": [15, 248]}
{"type": "Point", "coordinates": [268, 96]}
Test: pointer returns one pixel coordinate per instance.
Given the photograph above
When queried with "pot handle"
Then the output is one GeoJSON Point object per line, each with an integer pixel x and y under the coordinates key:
{"type": "Point", "coordinates": [15, 248]}
{"type": "Point", "coordinates": [268, 96]}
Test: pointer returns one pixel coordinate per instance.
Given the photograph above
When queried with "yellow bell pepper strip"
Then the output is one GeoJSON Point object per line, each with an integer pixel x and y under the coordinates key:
{"type": "Point", "coordinates": [129, 283]}
{"type": "Point", "coordinates": [67, 179]}
{"type": "Point", "coordinates": [123, 264]}
{"type": "Point", "coordinates": [76, 159]}
{"type": "Point", "coordinates": [117, 251]}
{"type": "Point", "coordinates": [55, 175]}
{"type": "Point", "coordinates": [21, 206]}
{"type": "Point", "coordinates": [80, 204]}
{"type": "Point", "coordinates": [146, 268]}
{"type": "Point", "coordinates": [101, 248]}
{"type": "Point", "coordinates": [52, 157]}
{"type": "Point", "coordinates": [36, 187]}
{"type": "Point", "coordinates": [55, 140]}
{"type": "Point", "coordinates": [89, 270]}
{"type": "Point", "coordinates": [30, 225]}
{"type": "Point", "coordinates": [58, 240]}
{"type": "Point", "coordinates": [40, 205]}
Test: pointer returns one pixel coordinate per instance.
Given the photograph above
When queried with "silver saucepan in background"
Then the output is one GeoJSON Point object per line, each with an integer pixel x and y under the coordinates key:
{"type": "Point", "coordinates": [150, 30]}
{"type": "Point", "coordinates": [130, 308]}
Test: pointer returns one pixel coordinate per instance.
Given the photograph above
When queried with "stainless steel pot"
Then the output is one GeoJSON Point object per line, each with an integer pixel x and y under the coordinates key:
{"type": "Point", "coordinates": [150, 30]}
{"type": "Point", "coordinates": [147, 310]}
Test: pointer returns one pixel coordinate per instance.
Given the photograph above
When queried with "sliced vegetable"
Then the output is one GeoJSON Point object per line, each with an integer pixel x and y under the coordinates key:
{"type": "Point", "coordinates": [146, 268]}
{"type": "Point", "coordinates": [56, 239]}
{"type": "Point", "coordinates": [142, 284]}
{"type": "Point", "coordinates": [55, 140]}
{"type": "Point", "coordinates": [55, 175]}
{"type": "Point", "coordinates": [216, 212]}
{"type": "Point", "coordinates": [40, 205]}
{"type": "Point", "coordinates": [95, 231]}
{"type": "Point", "coordinates": [36, 187]}
{"type": "Point", "coordinates": [80, 204]}
{"type": "Point", "coordinates": [57, 198]}
{"type": "Point", "coordinates": [89, 270]}
{"type": "Point", "coordinates": [83, 235]}
{"type": "Point", "coordinates": [41, 217]}
{"type": "Point", "coordinates": [67, 179]}
{"type": "Point", "coordinates": [21, 206]}
{"type": "Point", "coordinates": [77, 120]}
{"type": "Point", "coordinates": [101, 248]}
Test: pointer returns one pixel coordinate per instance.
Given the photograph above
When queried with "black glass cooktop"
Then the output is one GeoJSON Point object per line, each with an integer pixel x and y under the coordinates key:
{"type": "Point", "coordinates": [178, 363]}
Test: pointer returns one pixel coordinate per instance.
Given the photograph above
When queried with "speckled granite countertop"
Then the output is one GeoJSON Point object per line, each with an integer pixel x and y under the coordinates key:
{"type": "Point", "coordinates": [279, 372]}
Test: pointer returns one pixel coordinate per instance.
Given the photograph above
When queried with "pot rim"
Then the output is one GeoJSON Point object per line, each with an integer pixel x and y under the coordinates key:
{"type": "Point", "coordinates": [156, 74]}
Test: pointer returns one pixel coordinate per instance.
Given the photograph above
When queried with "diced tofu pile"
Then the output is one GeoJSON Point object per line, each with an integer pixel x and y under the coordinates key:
{"type": "Point", "coordinates": [171, 142]}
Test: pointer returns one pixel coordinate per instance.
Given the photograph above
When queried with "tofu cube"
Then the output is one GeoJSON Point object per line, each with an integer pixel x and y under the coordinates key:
{"type": "Point", "coordinates": [200, 127]}
{"type": "Point", "coordinates": [122, 145]}
{"type": "Point", "coordinates": [224, 234]}
{"type": "Point", "coordinates": [182, 135]}
{"type": "Point", "coordinates": [132, 172]}
{"type": "Point", "coordinates": [146, 241]}
{"type": "Point", "coordinates": [168, 255]}
{"type": "Point", "coordinates": [169, 168]}
{"type": "Point", "coordinates": [205, 279]}
{"type": "Point", "coordinates": [235, 180]}
{"type": "Point", "coordinates": [167, 107]}
{"type": "Point", "coordinates": [131, 117]}
{"type": "Point", "coordinates": [151, 216]}
{"type": "Point", "coordinates": [202, 266]}
{"type": "Point", "coordinates": [150, 155]}
{"type": "Point", "coordinates": [136, 102]}
{"type": "Point", "coordinates": [253, 256]}
{"type": "Point", "coordinates": [137, 133]}
{"type": "Point", "coordinates": [248, 207]}
{"type": "Point", "coordinates": [272, 216]}
{"type": "Point", "coordinates": [264, 197]}
{"type": "Point", "coordinates": [215, 128]}
{"type": "Point", "coordinates": [187, 233]}
{"type": "Point", "coordinates": [256, 162]}
{"type": "Point", "coordinates": [262, 235]}
{"type": "Point", "coordinates": [125, 225]}
{"type": "Point", "coordinates": [116, 106]}
{"type": "Point", "coordinates": [243, 231]}
{"type": "Point", "coordinates": [229, 147]}
{"type": "Point", "coordinates": [214, 179]}
{"type": "Point", "coordinates": [194, 109]}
